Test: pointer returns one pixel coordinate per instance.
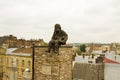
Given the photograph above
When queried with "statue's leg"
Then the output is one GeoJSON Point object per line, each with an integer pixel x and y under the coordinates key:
{"type": "Point", "coordinates": [56, 47]}
{"type": "Point", "coordinates": [50, 46]}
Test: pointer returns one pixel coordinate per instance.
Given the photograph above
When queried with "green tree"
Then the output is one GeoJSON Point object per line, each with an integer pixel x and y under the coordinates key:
{"type": "Point", "coordinates": [83, 48]}
{"type": "Point", "coordinates": [78, 52]}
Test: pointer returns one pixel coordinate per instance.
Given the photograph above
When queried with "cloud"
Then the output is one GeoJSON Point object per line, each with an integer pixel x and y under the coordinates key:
{"type": "Point", "coordinates": [83, 20]}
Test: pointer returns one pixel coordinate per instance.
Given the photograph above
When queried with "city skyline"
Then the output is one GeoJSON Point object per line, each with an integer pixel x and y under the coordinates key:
{"type": "Point", "coordinates": [84, 21]}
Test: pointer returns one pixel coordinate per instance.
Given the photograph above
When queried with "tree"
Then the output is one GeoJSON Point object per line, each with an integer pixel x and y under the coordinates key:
{"type": "Point", "coordinates": [83, 48]}
{"type": "Point", "coordinates": [78, 52]}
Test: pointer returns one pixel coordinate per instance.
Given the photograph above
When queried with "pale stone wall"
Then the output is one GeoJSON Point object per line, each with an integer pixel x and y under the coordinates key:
{"type": "Point", "coordinates": [51, 66]}
{"type": "Point", "coordinates": [83, 71]}
{"type": "Point", "coordinates": [112, 71]}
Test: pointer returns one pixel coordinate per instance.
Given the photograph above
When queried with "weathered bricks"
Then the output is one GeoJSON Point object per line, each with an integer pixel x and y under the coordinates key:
{"type": "Point", "coordinates": [51, 66]}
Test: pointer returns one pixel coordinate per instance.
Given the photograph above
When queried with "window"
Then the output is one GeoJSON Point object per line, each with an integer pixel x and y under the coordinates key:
{"type": "Point", "coordinates": [1, 60]}
{"type": "Point", "coordinates": [29, 63]}
{"type": "Point", "coordinates": [7, 60]}
{"type": "Point", "coordinates": [22, 63]}
{"type": "Point", "coordinates": [12, 60]}
{"type": "Point", "coordinates": [17, 61]}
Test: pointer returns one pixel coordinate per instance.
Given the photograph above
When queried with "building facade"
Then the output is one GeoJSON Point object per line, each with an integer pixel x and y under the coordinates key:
{"type": "Point", "coordinates": [12, 41]}
{"type": "Point", "coordinates": [115, 47]}
{"type": "Point", "coordinates": [2, 66]}
{"type": "Point", "coordinates": [16, 56]}
{"type": "Point", "coordinates": [12, 65]}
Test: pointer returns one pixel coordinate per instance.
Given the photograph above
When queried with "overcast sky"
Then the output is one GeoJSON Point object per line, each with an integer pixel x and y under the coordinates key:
{"type": "Point", "coordinates": [83, 20]}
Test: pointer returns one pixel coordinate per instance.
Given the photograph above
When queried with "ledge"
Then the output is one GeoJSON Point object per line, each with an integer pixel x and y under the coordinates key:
{"type": "Point", "coordinates": [47, 46]}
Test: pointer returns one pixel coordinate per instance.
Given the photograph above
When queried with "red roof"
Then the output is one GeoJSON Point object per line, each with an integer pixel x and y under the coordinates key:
{"type": "Point", "coordinates": [106, 60]}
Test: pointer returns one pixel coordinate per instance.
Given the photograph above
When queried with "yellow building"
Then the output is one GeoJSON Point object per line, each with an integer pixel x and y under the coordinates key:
{"type": "Point", "coordinates": [2, 66]}
{"type": "Point", "coordinates": [15, 62]}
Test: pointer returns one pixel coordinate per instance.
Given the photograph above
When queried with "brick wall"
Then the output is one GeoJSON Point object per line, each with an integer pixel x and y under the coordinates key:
{"type": "Point", "coordinates": [51, 66]}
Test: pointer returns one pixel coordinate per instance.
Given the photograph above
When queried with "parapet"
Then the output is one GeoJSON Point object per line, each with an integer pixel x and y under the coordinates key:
{"type": "Point", "coordinates": [52, 66]}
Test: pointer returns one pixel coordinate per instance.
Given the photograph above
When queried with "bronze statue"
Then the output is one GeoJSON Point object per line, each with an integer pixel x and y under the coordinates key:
{"type": "Point", "coordinates": [59, 38]}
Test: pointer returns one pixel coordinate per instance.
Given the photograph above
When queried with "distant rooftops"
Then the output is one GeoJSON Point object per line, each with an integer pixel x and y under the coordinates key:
{"type": "Point", "coordinates": [19, 51]}
{"type": "Point", "coordinates": [2, 40]}
{"type": "Point", "coordinates": [23, 50]}
{"type": "Point", "coordinates": [12, 41]}
{"type": "Point", "coordinates": [106, 60]}
{"type": "Point", "coordinates": [10, 50]}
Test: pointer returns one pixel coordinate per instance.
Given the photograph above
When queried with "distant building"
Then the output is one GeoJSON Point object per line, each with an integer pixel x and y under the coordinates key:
{"type": "Point", "coordinates": [16, 56]}
{"type": "Point", "coordinates": [115, 47]}
{"type": "Point", "coordinates": [93, 47]}
{"type": "Point", "coordinates": [12, 41]}
{"type": "Point", "coordinates": [88, 49]}
{"type": "Point", "coordinates": [97, 47]}
{"type": "Point", "coordinates": [14, 62]}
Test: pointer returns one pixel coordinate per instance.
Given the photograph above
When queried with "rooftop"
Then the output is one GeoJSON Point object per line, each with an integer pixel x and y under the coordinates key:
{"type": "Point", "coordinates": [2, 40]}
{"type": "Point", "coordinates": [10, 50]}
{"type": "Point", "coordinates": [23, 50]}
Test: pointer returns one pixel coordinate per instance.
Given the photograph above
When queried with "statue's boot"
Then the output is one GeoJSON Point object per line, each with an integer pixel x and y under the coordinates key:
{"type": "Point", "coordinates": [49, 49]}
{"type": "Point", "coordinates": [56, 49]}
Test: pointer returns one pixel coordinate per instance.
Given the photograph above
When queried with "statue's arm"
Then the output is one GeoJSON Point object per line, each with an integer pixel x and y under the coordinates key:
{"type": "Point", "coordinates": [64, 38]}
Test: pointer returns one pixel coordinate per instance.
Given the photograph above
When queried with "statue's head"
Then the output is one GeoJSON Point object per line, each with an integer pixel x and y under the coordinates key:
{"type": "Point", "coordinates": [57, 27]}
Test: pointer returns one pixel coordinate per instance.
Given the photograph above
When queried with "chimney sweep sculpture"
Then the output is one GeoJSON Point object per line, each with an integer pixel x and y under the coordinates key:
{"type": "Point", "coordinates": [59, 38]}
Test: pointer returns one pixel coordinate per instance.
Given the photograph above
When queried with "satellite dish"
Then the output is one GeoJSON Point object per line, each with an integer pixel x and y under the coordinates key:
{"type": "Point", "coordinates": [27, 70]}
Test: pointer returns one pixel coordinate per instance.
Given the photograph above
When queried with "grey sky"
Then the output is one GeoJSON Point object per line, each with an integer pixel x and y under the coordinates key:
{"type": "Point", "coordinates": [83, 20]}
